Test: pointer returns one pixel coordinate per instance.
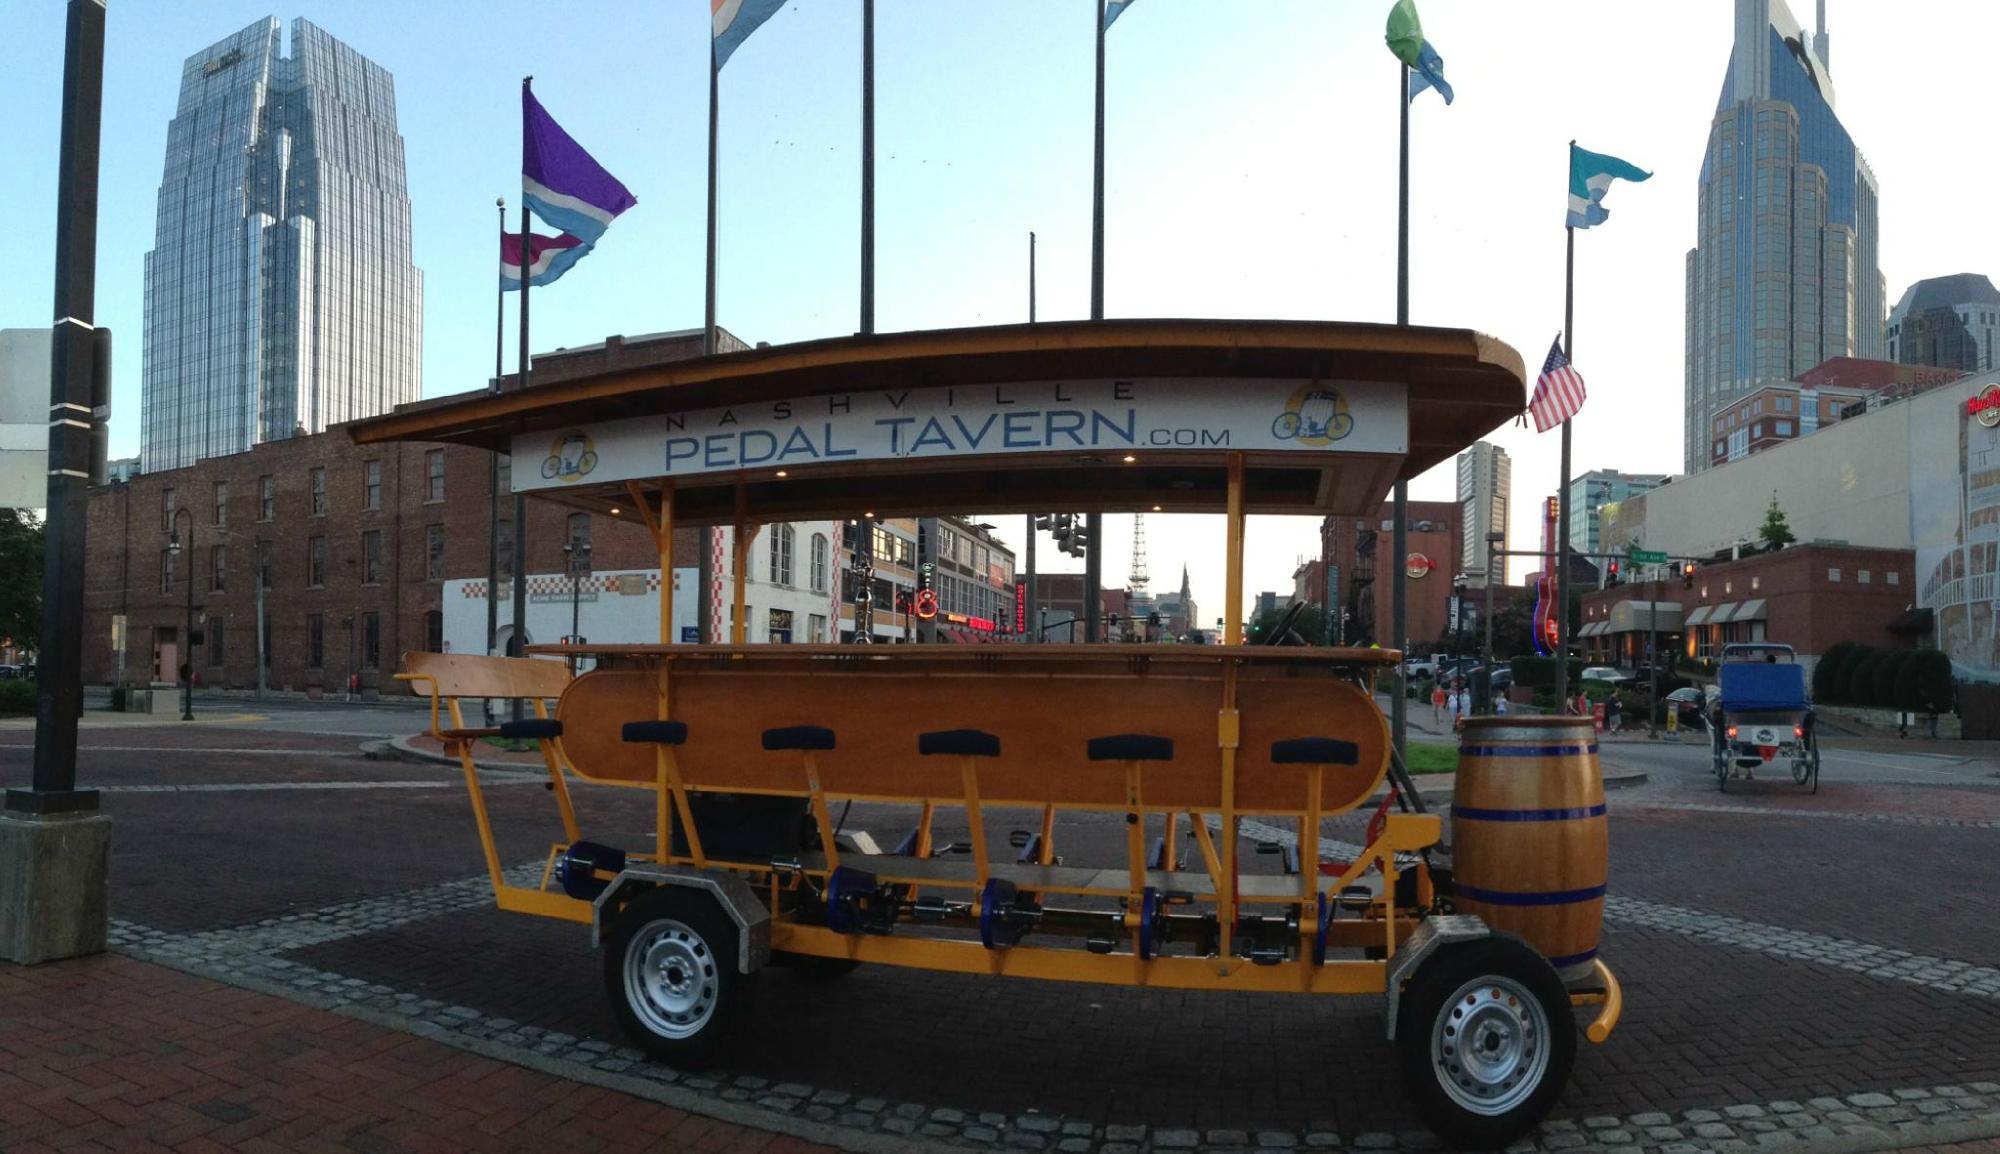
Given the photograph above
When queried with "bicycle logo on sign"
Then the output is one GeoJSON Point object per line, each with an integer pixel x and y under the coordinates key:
{"type": "Point", "coordinates": [1315, 416]}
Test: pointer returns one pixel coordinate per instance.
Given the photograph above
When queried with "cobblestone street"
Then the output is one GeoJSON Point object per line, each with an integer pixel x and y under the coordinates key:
{"type": "Point", "coordinates": [1781, 989]}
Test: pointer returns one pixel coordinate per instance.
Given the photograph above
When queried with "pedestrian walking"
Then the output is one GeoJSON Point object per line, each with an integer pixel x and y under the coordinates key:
{"type": "Point", "coordinates": [1500, 705]}
{"type": "Point", "coordinates": [1614, 711]}
{"type": "Point", "coordinates": [1437, 701]}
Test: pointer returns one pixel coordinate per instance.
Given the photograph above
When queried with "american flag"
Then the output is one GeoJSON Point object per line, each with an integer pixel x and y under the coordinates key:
{"type": "Point", "coordinates": [1558, 391]}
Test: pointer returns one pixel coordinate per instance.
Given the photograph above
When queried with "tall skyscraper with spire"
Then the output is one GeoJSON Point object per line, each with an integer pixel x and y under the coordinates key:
{"type": "Point", "coordinates": [1783, 273]}
{"type": "Point", "coordinates": [280, 292]}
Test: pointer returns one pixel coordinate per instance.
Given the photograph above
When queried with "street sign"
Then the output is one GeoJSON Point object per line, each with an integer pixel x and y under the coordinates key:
{"type": "Point", "coordinates": [1648, 557]}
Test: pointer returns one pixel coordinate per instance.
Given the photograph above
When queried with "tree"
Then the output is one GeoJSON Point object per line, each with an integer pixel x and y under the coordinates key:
{"type": "Point", "coordinates": [1827, 680]}
{"type": "Point", "coordinates": [1776, 532]}
{"type": "Point", "coordinates": [1310, 626]}
{"type": "Point", "coordinates": [21, 577]}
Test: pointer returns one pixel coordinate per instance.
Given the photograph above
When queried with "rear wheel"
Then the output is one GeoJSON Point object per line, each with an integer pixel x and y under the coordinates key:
{"type": "Point", "coordinates": [671, 970]}
{"type": "Point", "coordinates": [1486, 1039]}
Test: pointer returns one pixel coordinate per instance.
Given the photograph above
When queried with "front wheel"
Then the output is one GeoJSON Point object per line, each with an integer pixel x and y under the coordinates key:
{"type": "Point", "coordinates": [1487, 1040]}
{"type": "Point", "coordinates": [671, 971]}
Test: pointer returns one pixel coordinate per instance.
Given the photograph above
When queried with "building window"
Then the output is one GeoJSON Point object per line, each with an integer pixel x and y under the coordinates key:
{"type": "Point", "coordinates": [267, 498]}
{"type": "Point", "coordinates": [371, 641]}
{"type": "Point", "coordinates": [315, 562]}
{"type": "Point", "coordinates": [221, 503]}
{"type": "Point", "coordinates": [217, 565]}
{"type": "Point", "coordinates": [781, 557]}
{"type": "Point", "coordinates": [212, 641]}
{"type": "Point", "coordinates": [167, 509]}
{"type": "Point", "coordinates": [1784, 404]}
{"type": "Point", "coordinates": [371, 557]}
{"type": "Point", "coordinates": [1783, 428]}
{"type": "Point", "coordinates": [315, 641]}
{"type": "Point", "coordinates": [434, 553]}
{"type": "Point", "coordinates": [816, 628]}
{"type": "Point", "coordinates": [1863, 577]}
{"type": "Point", "coordinates": [1756, 583]}
{"type": "Point", "coordinates": [319, 492]}
{"type": "Point", "coordinates": [1833, 575]}
{"type": "Point", "coordinates": [371, 484]}
{"type": "Point", "coordinates": [781, 627]}
{"type": "Point", "coordinates": [434, 632]}
{"type": "Point", "coordinates": [820, 553]}
{"type": "Point", "coordinates": [166, 571]}
{"type": "Point", "coordinates": [434, 475]}
{"type": "Point", "coordinates": [1894, 577]}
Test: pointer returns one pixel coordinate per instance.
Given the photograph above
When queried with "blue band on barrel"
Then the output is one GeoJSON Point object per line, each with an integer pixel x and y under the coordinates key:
{"type": "Point", "coordinates": [1467, 813]}
{"type": "Point", "coordinates": [1526, 750]}
{"type": "Point", "coordinates": [1530, 898]}
{"type": "Point", "coordinates": [1568, 960]}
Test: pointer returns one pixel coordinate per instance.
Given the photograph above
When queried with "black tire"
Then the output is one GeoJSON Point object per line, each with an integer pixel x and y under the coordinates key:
{"type": "Point", "coordinates": [1509, 997]}
{"type": "Point", "coordinates": [688, 1012]}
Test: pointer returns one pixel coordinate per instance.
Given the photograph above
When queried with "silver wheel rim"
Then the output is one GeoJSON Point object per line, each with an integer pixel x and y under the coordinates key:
{"type": "Point", "coordinates": [1490, 1045]}
{"type": "Point", "coordinates": [672, 980]}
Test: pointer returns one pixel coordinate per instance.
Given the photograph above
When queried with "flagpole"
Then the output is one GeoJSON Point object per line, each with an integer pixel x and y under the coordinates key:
{"type": "Point", "coordinates": [705, 552]}
{"type": "Point", "coordinates": [1093, 548]}
{"type": "Point", "coordinates": [1399, 593]}
{"type": "Point", "coordinates": [518, 637]}
{"type": "Point", "coordinates": [1562, 493]}
{"type": "Point", "coordinates": [867, 166]}
{"type": "Point", "coordinates": [493, 465]}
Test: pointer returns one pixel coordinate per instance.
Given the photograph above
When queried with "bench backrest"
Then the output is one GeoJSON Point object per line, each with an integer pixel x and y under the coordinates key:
{"type": "Point", "coordinates": [477, 675]}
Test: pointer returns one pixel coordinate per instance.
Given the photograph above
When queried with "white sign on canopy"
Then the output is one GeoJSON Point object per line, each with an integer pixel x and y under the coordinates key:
{"type": "Point", "coordinates": [1093, 416]}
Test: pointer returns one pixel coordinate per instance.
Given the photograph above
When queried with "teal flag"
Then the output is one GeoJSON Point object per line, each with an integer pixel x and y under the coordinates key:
{"type": "Point", "coordinates": [1590, 175]}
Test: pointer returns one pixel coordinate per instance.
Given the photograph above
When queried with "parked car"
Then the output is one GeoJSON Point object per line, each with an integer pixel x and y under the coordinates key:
{"type": "Point", "coordinates": [1603, 673]}
{"type": "Point", "coordinates": [1691, 704]}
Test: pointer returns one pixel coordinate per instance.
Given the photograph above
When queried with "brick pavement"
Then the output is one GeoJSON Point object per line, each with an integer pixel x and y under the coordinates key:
{"type": "Point", "coordinates": [112, 1053]}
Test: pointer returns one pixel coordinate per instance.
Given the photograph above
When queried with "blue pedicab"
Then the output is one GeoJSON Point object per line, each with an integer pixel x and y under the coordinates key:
{"type": "Point", "coordinates": [1763, 715]}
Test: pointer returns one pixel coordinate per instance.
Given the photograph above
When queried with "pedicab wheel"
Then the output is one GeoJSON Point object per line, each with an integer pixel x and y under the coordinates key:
{"type": "Point", "coordinates": [1486, 1039]}
{"type": "Point", "coordinates": [671, 971]}
{"type": "Point", "coordinates": [1802, 767]}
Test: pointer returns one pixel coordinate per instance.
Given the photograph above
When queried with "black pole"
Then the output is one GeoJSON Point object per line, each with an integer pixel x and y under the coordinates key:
{"type": "Point", "coordinates": [1031, 278]}
{"type": "Point", "coordinates": [1093, 576]}
{"type": "Point", "coordinates": [867, 166]}
{"type": "Point", "coordinates": [1562, 492]}
{"type": "Point", "coordinates": [1030, 604]}
{"type": "Point", "coordinates": [517, 638]}
{"type": "Point", "coordinates": [1399, 593]}
{"type": "Point", "coordinates": [704, 598]}
{"type": "Point", "coordinates": [187, 648]}
{"type": "Point", "coordinates": [59, 665]}
{"type": "Point", "coordinates": [1097, 179]}
{"type": "Point", "coordinates": [493, 462]}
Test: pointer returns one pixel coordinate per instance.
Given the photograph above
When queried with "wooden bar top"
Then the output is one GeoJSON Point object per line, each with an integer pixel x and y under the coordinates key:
{"type": "Point", "coordinates": [1045, 653]}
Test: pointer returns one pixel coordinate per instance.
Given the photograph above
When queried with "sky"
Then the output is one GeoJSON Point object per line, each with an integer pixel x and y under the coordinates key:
{"type": "Point", "coordinates": [1250, 160]}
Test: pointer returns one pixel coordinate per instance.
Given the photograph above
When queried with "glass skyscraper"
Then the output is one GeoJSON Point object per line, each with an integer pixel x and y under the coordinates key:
{"type": "Point", "coordinates": [280, 293]}
{"type": "Point", "coordinates": [1783, 273]}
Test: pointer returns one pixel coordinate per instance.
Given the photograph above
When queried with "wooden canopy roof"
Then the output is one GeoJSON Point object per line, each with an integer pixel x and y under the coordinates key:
{"type": "Point", "coordinates": [1461, 385]}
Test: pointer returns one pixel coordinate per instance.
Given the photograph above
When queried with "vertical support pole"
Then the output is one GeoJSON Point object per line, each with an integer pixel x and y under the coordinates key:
{"type": "Point", "coordinates": [1093, 577]}
{"type": "Point", "coordinates": [820, 815]}
{"type": "Point", "coordinates": [71, 428]}
{"type": "Point", "coordinates": [1097, 176]}
{"type": "Point", "coordinates": [519, 636]}
{"type": "Point", "coordinates": [739, 626]}
{"type": "Point", "coordinates": [1031, 618]}
{"type": "Point", "coordinates": [1232, 610]}
{"type": "Point", "coordinates": [867, 166]}
{"type": "Point", "coordinates": [975, 820]}
{"type": "Point", "coordinates": [493, 459]}
{"type": "Point", "coordinates": [708, 342]}
{"type": "Point", "coordinates": [1562, 491]}
{"type": "Point", "coordinates": [1399, 589]}
{"type": "Point", "coordinates": [1135, 847]}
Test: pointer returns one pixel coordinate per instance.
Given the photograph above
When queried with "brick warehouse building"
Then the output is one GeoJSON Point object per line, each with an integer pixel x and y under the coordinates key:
{"type": "Point", "coordinates": [1361, 565]}
{"type": "Point", "coordinates": [359, 546]}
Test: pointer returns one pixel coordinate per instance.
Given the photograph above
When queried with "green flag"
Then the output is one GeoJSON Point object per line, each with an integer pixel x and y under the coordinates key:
{"type": "Point", "coordinates": [1406, 32]}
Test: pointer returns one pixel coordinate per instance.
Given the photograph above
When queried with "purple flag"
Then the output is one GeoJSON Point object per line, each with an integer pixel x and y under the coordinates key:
{"type": "Point", "coordinates": [561, 183]}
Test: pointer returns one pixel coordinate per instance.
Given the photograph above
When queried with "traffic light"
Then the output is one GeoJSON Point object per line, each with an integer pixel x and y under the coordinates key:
{"type": "Point", "coordinates": [1063, 527]}
{"type": "Point", "coordinates": [1044, 521]}
{"type": "Point", "coordinates": [1153, 619]}
{"type": "Point", "coordinates": [1687, 575]}
{"type": "Point", "coordinates": [1079, 539]}
{"type": "Point", "coordinates": [1611, 573]}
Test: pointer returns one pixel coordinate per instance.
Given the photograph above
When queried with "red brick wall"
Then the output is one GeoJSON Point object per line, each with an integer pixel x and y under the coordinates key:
{"type": "Point", "coordinates": [126, 537]}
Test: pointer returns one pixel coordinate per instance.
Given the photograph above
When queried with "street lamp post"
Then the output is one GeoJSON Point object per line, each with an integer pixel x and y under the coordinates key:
{"type": "Point", "coordinates": [576, 558]}
{"type": "Point", "coordinates": [174, 549]}
{"type": "Point", "coordinates": [1493, 541]}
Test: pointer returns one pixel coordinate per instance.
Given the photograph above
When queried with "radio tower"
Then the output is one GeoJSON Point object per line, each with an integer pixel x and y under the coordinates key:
{"type": "Point", "coordinates": [1139, 601]}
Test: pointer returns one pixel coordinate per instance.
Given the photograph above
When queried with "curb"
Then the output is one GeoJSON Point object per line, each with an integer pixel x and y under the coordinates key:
{"type": "Point", "coordinates": [400, 749]}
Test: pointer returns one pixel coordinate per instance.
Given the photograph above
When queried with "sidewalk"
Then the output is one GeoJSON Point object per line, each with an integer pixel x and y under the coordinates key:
{"type": "Point", "coordinates": [112, 1053]}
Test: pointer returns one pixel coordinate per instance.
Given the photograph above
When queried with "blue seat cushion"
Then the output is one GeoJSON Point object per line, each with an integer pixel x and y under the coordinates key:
{"type": "Point", "coordinates": [966, 742]}
{"type": "Point", "coordinates": [801, 737]}
{"type": "Point", "coordinates": [659, 732]}
{"type": "Point", "coordinates": [1131, 747]}
{"type": "Point", "coordinates": [531, 729]}
{"type": "Point", "coordinates": [1315, 751]}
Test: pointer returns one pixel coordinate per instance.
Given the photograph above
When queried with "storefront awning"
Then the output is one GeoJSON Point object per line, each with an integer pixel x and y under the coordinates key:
{"type": "Point", "coordinates": [1700, 616]}
{"type": "Point", "coordinates": [1644, 616]}
{"type": "Point", "coordinates": [1591, 630]}
{"type": "Point", "coordinates": [1751, 611]}
{"type": "Point", "coordinates": [1724, 613]}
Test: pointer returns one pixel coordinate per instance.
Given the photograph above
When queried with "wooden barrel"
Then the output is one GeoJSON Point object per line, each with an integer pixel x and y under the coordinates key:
{"type": "Point", "coordinates": [1529, 842]}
